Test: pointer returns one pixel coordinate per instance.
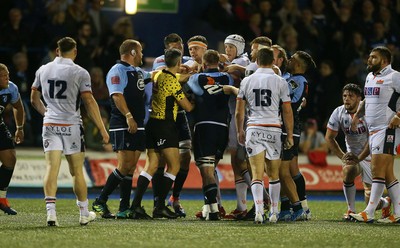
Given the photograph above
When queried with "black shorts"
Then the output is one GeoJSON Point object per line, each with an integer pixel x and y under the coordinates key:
{"type": "Point", "coordinates": [292, 152]}
{"type": "Point", "coordinates": [7, 141]}
{"type": "Point", "coordinates": [161, 134]}
{"type": "Point", "coordinates": [210, 140]}
{"type": "Point", "coordinates": [182, 125]}
{"type": "Point", "coordinates": [123, 140]}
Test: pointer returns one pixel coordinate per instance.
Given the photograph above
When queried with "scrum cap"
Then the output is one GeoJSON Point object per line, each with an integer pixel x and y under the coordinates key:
{"type": "Point", "coordinates": [237, 41]}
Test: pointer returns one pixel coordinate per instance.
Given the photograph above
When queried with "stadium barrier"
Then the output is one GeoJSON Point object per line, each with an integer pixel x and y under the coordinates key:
{"type": "Point", "coordinates": [31, 167]}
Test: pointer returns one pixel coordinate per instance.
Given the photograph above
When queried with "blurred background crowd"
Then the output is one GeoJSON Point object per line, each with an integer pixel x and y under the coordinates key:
{"type": "Point", "coordinates": [337, 33]}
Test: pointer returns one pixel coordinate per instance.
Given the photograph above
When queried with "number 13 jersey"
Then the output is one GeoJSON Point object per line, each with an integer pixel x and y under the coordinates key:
{"type": "Point", "coordinates": [264, 91]}
{"type": "Point", "coordinates": [61, 83]}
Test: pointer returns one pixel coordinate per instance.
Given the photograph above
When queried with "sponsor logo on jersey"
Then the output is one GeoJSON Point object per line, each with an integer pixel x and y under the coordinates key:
{"type": "Point", "coordinates": [115, 80]}
{"type": "Point", "coordinates": [372, 91]}
{"type": "Point", "coordinates": [46, 143]}
{"type": "Point", "coordinates": [379, 81]}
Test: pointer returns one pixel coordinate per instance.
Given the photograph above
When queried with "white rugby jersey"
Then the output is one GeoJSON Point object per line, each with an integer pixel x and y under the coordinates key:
{"type": "Point", "coordinates": [61, 82]}
{"type": "Point", "coordinates": [242, 60]}
{"type": "Point", "coordinates": [263, 92]}
{"type": "Point", "coordinates": [341, 119]}
{"type": "Point", "coordinates": [381, 94]}
{"type": "Point", "coordinates": [250, 69]}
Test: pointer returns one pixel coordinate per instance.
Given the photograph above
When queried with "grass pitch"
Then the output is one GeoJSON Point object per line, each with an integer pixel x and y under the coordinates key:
{"type": "Point", "coordinates": [28, 229]}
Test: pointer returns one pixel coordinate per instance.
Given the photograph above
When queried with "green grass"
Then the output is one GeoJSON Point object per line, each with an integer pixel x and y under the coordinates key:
{"type": "Point", "coordinates": [28, 229]}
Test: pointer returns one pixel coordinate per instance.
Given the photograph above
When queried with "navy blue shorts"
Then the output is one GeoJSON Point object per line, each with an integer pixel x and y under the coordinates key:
{"type": "Point", "coordinates": [210, 140]}
{"type": "Point", "coordinates": [7, 141]}
{"type": "Point", "coordinates": [182, 125]}
{"type": "Point", "coordinates": [123, 140]}
{"type": "Point", "coordinates": [293, 151]}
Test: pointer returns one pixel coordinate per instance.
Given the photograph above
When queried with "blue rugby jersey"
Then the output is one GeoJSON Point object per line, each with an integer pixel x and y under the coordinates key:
{"type": "Point", "coordinates": [210, 101]}
{"type": "Point", "coordinates": [298, 88]}
{"type": "Point", "coordinates": [129, 81]}
{"type": "Point", "coordinates": [8, 95]}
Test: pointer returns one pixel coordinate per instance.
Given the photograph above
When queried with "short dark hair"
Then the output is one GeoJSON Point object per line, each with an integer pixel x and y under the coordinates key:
{"type": "Point", "coordinates": [66, 44]}
{"type": "Point", "coordinates": [263, 40]}
{"type": "Point", "coordinates": [354, 88]}
{"type": "Point", "coordinates": [128, 45]}
{"type": "Point", "coordinates": [172, 38]}
{"type": "Point", "coordinates": [198, 38]}
{"type": "Point", "coordinates": [211, 57]}
{"type": "Point", "coordinates": [384, 52]}
{"type": "Point", "coordinates": [265, 56]}
{"type": "Point", "coordinates": [172, 57]}
{"type": "Point", "coordinates": [306, 60]}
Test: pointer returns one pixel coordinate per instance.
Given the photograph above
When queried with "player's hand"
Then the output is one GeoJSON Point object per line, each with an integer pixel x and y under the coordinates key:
{"type": "Point", "coordinates": [350, 159]}
{"type": "Point", "coordinates": [185, 69]}
{"type": "Point", "coordinates": [394, 122]}
{"type": "Point", "coordinates": [106, 137]}
{"type": "Point", "coordinates": [132, 125]}
{"type": "Point", "coordinates": [288, 143]}
{"type": "Point", "coordinates": [19, 136]}
{"type": "Point", "coordinates": [241, 138]}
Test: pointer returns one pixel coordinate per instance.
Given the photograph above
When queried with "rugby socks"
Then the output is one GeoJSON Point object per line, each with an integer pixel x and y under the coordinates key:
{"type": "Point", "coordinates": [377, 188]}
{"type": "Point", "coordinates": [349, 190]}
{"type": "Point", "coordinates": [156, 182]}
{"type": "Point", "coordinates": [285, 203]}
{"type": "Point", "coordinates": [83, 207]}
{"type": "Point", "coordinates": [5, 177]}
{"type": "Point", "coordinates": [274, 191]}
{"type": "Point", "coordinates": [241, 194]}
{"type": "Point", "coordinates": [142, 184]}
{"type": "Point", "coordinates": [50, 205]}
{"type": "Point", "coordinates": [112, 183]}
{"type": "Point", "coordinates": [246, 177]}
{"type": "Point", "coordinates": [296, 206]}
{"type": "Point", "coordinates": [125, 188]}
{"type": "Point", "coordinates": [210, 193]}
{"type": "Point", "coordinates": [179, 181]}
{"type": "Point", "coordinates": [218, 196]}
{"type": "Point", "coordinates": [265, 192]}
{"type": "Point", "coordinates": [301, 190]}
{"type": "Point", "coordinates": [394, 194]}
{"type": "Point", "coordinates": [258, 198]}
{"type": "Point", "coordinates": [167, 181]}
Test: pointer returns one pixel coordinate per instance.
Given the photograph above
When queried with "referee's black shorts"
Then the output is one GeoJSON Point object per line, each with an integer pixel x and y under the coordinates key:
{"type": "Point", "coordinates": [161, 134]}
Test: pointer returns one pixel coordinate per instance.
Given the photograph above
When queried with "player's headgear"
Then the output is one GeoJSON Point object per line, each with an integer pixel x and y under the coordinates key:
{"type": "Point", "coordinates": [237, 41]}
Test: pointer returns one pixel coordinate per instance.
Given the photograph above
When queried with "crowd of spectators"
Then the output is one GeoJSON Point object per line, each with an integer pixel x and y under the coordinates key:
{"type": "Point", "coordinates": [337, 33]}
{"type": "Point", "coordinates": [29, 32]}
